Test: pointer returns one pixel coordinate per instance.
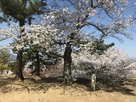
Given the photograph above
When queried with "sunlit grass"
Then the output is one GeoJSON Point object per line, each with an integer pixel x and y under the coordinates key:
{"type": "Point", "coordinates": [133, 77]}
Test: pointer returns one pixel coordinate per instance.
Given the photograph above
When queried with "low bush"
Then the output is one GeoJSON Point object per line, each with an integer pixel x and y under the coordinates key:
{"type": "Point", "coordinates": [4, 67]}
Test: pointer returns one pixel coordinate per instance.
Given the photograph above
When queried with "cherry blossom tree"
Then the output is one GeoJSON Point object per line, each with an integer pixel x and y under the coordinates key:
{"type": "Point", "coordinates": [74, 23]}
{"type": "Point", "coordinates": [112, 63]}
{"type": "Point", "coordinates": [78, 17]}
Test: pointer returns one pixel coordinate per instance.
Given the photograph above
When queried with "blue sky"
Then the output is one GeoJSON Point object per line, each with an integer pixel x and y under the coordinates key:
{"type": "Point", "coordinates": [128, 45]}
{"type": "Point", "coordinates": [4, 42]}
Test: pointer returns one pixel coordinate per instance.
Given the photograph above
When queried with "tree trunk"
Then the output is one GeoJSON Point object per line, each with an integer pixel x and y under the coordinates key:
{"type": "Point", "coordinates": [38, 64]}
{"type": "Point", "coordinates": [19, 73]}
{"type": "Point", "coordinates": [37, 69]}
{"type": "Point", "coordinates": [67, 65]}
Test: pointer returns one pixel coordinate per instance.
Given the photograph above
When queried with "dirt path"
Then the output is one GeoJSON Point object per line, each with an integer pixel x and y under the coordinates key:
{"type": "Point", "coordinates": [38, 90]}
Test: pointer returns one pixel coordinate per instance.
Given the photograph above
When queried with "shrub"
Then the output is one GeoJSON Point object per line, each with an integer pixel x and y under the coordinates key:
{"type": "Point", "coordinates": [4, 67]}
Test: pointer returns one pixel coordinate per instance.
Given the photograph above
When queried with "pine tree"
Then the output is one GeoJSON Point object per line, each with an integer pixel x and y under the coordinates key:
{"type": "Point", "coordinates": [21, 10]}
{"type": "Point", "coordinates": [100, 47]}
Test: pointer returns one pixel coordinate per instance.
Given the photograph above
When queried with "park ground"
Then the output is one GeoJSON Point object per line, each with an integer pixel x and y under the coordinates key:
{"type": "Point", "coordinates": [35, 89]}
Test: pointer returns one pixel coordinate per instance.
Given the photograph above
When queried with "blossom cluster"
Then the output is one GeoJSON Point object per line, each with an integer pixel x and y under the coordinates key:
{"type": "Point", "coordinates": [58, 24]}
{"type": "Point", "coordinates": [112, 64]}
{"type": "Point", "coordinates": [70, 23]}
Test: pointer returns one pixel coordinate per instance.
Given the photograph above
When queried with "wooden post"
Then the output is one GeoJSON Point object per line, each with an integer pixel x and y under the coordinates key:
{"type": "Point", "coordinates": [93, 81]}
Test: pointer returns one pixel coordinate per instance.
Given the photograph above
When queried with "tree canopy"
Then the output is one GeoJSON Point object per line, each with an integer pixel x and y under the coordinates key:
{"type": "Point", "coordinates": [75, 22]}
{"type": "Point", "coordinates": [22, 9]}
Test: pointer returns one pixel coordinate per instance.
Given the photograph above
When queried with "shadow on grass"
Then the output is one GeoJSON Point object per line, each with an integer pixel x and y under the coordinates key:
{"type": "Point", "coordinates": [5, 80]}
{"type": "Point", "coordinates": [117, 86]}
{"type": "Point", "coordinates": [33, 84]}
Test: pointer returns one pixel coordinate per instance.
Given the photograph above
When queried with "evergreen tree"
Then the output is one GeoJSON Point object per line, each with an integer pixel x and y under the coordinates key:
{"type": "Point", "coordinates": [21, 10]}
{"type": "Point", "coordinates": [100, 47]}
{"type": "Point", "coordinates": [39, 57]}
